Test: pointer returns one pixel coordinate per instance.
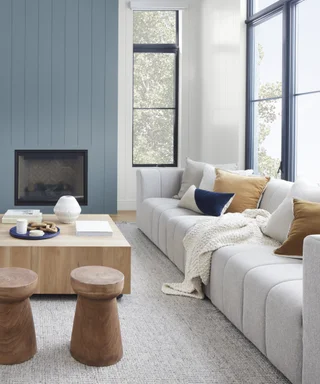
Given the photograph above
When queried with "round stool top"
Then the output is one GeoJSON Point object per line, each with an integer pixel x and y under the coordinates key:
{"type": "Point", "coordinates": [97, 281]}
{"type": "Point", "coordinates": [17, 283]}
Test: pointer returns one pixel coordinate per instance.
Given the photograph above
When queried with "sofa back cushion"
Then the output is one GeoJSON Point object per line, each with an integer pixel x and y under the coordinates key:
{"type": "Point", "coordinates": [247, 190]}
{"type": "Point", "coordinates": [274, 194]}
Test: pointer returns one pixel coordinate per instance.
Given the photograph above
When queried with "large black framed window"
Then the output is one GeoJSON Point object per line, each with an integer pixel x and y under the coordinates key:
{"type": "Point", "coordinates": [283, 88]}
{"type": "Point", "coordinates": [155, 88]}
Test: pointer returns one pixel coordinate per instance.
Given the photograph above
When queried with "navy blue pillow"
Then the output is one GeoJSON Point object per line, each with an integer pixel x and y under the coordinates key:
{"type": "Point", "coordinates": [212, 203]}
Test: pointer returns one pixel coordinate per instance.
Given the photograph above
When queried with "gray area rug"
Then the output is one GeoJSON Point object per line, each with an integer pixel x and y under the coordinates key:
{"type": "Point", "coordinates": [166, 339]}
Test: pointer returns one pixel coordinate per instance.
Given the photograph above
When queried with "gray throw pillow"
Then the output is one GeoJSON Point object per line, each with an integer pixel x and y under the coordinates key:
{"type": "Point", "coordinates": [193, 173]}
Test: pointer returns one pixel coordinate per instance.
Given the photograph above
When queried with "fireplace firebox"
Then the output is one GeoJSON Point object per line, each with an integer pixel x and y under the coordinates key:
{"type": "Point", "coordinates": [43, 176]}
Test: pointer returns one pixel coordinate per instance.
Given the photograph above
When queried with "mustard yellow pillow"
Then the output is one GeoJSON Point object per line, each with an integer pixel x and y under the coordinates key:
{"type": "Point", "coordinates": [247, 190]}
{"type": "Point", "coordinates": [306, 222]}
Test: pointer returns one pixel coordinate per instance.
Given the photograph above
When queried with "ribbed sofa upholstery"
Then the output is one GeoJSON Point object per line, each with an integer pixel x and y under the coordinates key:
{"type": "Point", "coordinates": [259, 292]}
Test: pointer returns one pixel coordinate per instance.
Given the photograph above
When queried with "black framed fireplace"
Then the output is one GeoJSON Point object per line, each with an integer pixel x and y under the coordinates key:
{"type": "Point", "coordinates": [43, 176]}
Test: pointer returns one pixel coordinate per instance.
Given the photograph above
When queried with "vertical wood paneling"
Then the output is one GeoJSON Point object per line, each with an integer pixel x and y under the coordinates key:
{"type": "Point", "coordinates": [18, 72]}
{"type": "Point", "coordinates": [55, 90]}
{"type": "Point", "coordinates": [111, 101]}
{"type": "Point", "coordinates": [44, 75]}
{"type": "Point", "coordinates": [5, 74]}
{"type": "Point", "coordinates": [72, 72]}
{"type": "Point", "coordinates": [98, 90]}
{"type": "Point", "coordinates": [6, 156]}
{"type": "Point", "coordinates": [31, 73]}
{"type": "Point", "coordinates": [84, 122]}
{"type": "Point", "coordinates": [58, 72]}
{"type": "Point", "coordinates": [98, 71]}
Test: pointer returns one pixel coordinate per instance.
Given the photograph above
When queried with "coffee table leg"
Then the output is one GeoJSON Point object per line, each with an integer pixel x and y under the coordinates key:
{"type": "Point", "coordinates": [17, 333]}
{"type": "Point", "coordinates": [96, 337]}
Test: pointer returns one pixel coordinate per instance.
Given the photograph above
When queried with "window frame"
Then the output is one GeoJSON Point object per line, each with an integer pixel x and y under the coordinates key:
{"type": "Point", "coordinates": [161, 48]}
{"type": "Point", "coordinates": [288, 123]}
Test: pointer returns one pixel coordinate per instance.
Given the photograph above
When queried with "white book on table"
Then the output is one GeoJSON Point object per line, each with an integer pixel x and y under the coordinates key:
{"type": "Point", "coordinates": [93, 228]}
{"type": "Point", "coordinates": [23, 212]}
{"type": "Point", "coordinates": [12, 215]}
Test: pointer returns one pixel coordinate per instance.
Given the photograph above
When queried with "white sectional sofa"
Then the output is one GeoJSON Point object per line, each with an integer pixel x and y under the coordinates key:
{"type": "Point", "coordinates": [259, 292]}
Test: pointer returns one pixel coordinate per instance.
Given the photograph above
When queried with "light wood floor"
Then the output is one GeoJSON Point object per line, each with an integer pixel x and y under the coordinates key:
{"type": "Point", "coordinates": [129, 216]}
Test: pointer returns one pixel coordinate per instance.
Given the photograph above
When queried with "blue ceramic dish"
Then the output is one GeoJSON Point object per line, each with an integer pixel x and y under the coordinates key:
{"type": "Point", "coordinates": [26, 236]}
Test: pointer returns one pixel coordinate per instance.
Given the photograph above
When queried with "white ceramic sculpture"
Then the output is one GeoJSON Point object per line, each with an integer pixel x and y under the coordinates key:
{"type": "Point", "coordinates": [67, 209]}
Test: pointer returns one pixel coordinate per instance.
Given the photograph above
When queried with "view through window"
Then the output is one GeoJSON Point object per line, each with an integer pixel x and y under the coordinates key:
{"type": "Point", "coordinates": [155, 88]}
{"type": "Point", "coordinates": [307, 90]}
{"type": "Point", "coordinates": [283, 95]}
{"type": "Point", "coordinates": [267, 95]}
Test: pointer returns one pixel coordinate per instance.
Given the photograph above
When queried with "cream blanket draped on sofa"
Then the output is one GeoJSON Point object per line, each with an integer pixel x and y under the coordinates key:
{"type": "Point", "coordinates": [210, 235]}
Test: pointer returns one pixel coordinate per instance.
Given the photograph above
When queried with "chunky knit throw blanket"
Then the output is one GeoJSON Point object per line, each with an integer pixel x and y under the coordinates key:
{"type": "Point", "coordinates": [209, 235]}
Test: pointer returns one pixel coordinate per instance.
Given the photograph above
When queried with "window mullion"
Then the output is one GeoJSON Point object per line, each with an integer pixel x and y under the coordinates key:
{"type": "Point", "coordinates": [176, 99]}
{"type": "Point", "coordinates": [249, 153]}
{"type": "Point", "coordinates": [292, 88]}
{"type": "Point", "coordinates": [249, 8]}
{"type": "Point", "coordinates": [266, 99]}
{"type": "Point", "coordinates": [155, 48]}
{"type": "Point", "coordinates": [267, 11]}
{"type": "Point", "coordinates": [288, 120]}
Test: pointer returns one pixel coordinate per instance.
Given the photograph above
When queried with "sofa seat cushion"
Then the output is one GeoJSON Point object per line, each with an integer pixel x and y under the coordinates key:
{"type": "Point", "coordinates": [153, 216]}
{"type": "Point", "coordinates": [177, 228]}
{"type": "Point", "coordinates": [230, 268]}
{"type": "Point", "coordinates": [258, 283]}
{"type": "Point", "coordinates": [162, 218]}
{"type": "Point", "coordinates": [284, 329]}
{"type": "Point", "coordinates": [214, 290]}
{"type": "Point", "coordinates": [144, 219]}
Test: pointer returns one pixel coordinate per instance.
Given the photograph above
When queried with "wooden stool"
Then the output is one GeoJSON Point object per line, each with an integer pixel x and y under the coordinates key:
{"type": "Point", "coordinates": [96, 337]}
{"type": "Point", "coordinates": [17, 334]}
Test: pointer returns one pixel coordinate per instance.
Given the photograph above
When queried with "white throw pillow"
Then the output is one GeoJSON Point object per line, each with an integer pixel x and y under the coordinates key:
{"type": "Point", "coordinates": [187, 200]}
{"type": "Point", "coordinates": [209, 176]}
{"type": "Point", "coordinates": [279, 223]}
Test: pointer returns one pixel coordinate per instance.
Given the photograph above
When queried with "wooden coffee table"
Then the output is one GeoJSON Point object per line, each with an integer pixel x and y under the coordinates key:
{"type": "Point", "coordinates": [54, 259]}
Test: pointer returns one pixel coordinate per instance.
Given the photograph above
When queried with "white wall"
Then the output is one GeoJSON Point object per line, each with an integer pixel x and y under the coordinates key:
{"type": "Point", "coordinates": [223, 81]}
{"type": "Point", "coordinates": [212, 88]}
{"type": "Point", "coordinates": [126, 174]}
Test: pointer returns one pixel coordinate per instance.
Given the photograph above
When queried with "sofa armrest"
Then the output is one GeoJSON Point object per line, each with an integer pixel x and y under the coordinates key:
{"type": "Point", "coordinates": [311, 310]}
{"type": "Point", "coordinates": [157, 182]}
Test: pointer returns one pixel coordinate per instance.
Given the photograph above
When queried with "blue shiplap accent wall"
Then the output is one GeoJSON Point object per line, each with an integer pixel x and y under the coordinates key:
{"type": "Point", "coordinates": [58, 88]}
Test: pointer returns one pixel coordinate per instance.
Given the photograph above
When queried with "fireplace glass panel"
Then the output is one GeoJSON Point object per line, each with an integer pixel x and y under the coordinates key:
{"type": "Point", "coordinates": [42, 177]}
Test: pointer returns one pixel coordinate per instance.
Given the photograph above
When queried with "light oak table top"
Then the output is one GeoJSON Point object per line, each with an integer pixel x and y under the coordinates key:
{"type": "Point", "coordinates": [67, 237]}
